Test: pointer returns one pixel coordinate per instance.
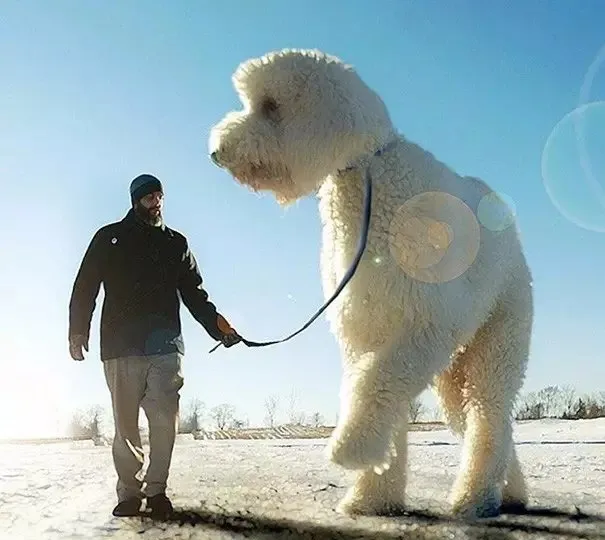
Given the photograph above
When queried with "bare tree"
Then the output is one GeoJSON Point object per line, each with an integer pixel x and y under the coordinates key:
{"type": "Point", "coordinates": [238, 424]}
{"type": "Point", "coordinates": [87, 424]}
{"type": "Point", "coordinates": [588, 406]}
{"type": "Point", "coordinates": [530, 407]}
{"type": "Point", "coordinates": [558, 402]}
{"type": "Point", "coordinates": [271, 404]}
{"type": "Point", "coordinates": [548, 398]}
{"type": "Point", "coordinates": [190, 420]}
{"type": "Point", "coordinates": [316, 419]}
{"type": "Point", "coordinates": [222, 415]}
{"type": "Point", "coordinates": [567, 397]}
{"type": "Point", "coordinates": [555, 402]}
{"type": "Point", "coordinates": [416, 410]}
{"type": "Point", "coordinates": [295, 416]}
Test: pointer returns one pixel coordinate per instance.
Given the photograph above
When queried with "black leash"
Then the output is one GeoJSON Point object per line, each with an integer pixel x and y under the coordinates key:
{"type": "Point", "coordinates": [367, 212]}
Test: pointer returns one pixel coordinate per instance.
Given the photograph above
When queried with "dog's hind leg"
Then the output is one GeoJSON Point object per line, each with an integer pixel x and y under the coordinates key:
{"type": "Point", "coordinates": [494, 365]}
{"type": "Point", "coordinates": [451, 387]}
{"type": "Point", "coordinates": [514, 492]}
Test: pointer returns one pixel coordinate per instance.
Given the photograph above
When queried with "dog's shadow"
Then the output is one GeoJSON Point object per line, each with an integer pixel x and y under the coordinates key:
{"type": "Point", "coordinates": [417, 524]}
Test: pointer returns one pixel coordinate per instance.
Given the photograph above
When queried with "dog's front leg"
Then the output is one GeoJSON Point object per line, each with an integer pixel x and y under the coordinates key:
{"type": "Point", "coordinates": [368, 413]}
{"type": "Point", "coordinates": [377, 389]}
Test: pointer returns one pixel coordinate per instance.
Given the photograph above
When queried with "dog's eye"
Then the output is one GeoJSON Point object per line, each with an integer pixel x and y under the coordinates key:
{"type": "Point", "coordinates": [269, 106]}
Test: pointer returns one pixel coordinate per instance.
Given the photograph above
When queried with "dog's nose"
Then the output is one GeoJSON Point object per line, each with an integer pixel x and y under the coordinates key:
{"type": "Point", "coordinates": [215, 158]}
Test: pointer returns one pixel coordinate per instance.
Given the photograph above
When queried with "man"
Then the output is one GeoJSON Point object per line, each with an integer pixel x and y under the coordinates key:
{"type": "Point", "coordinates": [144, 266]}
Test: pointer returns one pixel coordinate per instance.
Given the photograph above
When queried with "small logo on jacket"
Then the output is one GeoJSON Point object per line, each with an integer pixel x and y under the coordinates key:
{"type": "Point", "coordinates": [114, 240]}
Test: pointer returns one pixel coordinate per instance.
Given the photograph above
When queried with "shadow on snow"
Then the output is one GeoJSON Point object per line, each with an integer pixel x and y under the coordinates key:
{"type": "Point", "coordinates": [413, 524]}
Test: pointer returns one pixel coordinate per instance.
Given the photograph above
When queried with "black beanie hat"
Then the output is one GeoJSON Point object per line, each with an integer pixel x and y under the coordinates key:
{"type": "Point", "coordinates": [142, 185]}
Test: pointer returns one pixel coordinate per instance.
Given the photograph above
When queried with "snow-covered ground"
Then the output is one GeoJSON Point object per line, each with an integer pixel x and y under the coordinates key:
{"type": "Point", "coordinates": [287, 489]}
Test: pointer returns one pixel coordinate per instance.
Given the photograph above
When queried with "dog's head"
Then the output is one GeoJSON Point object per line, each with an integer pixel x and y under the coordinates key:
{"type": "Point", "coordinates": [305, 115]}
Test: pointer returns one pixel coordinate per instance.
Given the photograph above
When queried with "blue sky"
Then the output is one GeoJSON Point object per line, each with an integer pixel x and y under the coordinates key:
{"type": "Point", "coordinates": [95, 93]}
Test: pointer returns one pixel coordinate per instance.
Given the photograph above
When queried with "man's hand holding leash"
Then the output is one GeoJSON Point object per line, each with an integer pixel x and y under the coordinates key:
{"type": "Point", "coordinates": [230, 337]}
{"type": "Point", "coordinates": [229, 340]}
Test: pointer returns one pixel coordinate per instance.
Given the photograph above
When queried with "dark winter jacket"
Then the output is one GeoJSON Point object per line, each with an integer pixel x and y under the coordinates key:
{"type": "Point", "coordinates": [143, 270]}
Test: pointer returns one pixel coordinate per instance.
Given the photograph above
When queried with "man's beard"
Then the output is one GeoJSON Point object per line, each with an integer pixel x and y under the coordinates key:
{"type": "Point", "coordinates": [145, 215]}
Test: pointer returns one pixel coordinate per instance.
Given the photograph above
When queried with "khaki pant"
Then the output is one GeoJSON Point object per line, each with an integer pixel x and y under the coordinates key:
{"type": "Point", "coordinates": [151, 383]}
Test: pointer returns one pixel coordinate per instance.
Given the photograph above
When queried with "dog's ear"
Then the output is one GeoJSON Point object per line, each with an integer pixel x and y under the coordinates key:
{"type": "Point", "coordinates": [355, 113]}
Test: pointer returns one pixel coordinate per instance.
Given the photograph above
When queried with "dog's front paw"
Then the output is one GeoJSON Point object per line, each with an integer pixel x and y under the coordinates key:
{"type": "Point", "coordinates": [359, 451]}
{"type": "Point", "coordinates": [359, 504]}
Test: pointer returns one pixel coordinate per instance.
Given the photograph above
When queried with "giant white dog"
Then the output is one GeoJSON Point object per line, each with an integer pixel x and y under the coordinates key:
{"type": "Point", "coordinates": [441, 297]}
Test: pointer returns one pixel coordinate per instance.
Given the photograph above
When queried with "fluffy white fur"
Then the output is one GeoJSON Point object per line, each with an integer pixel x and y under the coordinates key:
{"type": "Point", "coordinates": [438, 299]}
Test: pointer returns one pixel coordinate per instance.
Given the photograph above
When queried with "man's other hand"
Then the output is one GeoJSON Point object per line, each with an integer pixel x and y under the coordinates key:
{"type": "Point", "coordinates": [76, 343]}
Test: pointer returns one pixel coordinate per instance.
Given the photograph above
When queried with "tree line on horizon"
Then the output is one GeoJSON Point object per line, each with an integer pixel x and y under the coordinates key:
{"type": "Point", "coordinates": [562, 402]}
{"type": "Point", "coordinates": [548, 402]}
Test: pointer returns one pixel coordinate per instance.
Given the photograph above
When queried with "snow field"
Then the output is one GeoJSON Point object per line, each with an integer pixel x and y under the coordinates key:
{"type": "Point", "coordinates": [66, 490]}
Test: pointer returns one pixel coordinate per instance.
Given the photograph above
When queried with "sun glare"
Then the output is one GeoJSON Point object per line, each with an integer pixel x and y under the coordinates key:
{"type": "Point", "coordinates": [31, 405]}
